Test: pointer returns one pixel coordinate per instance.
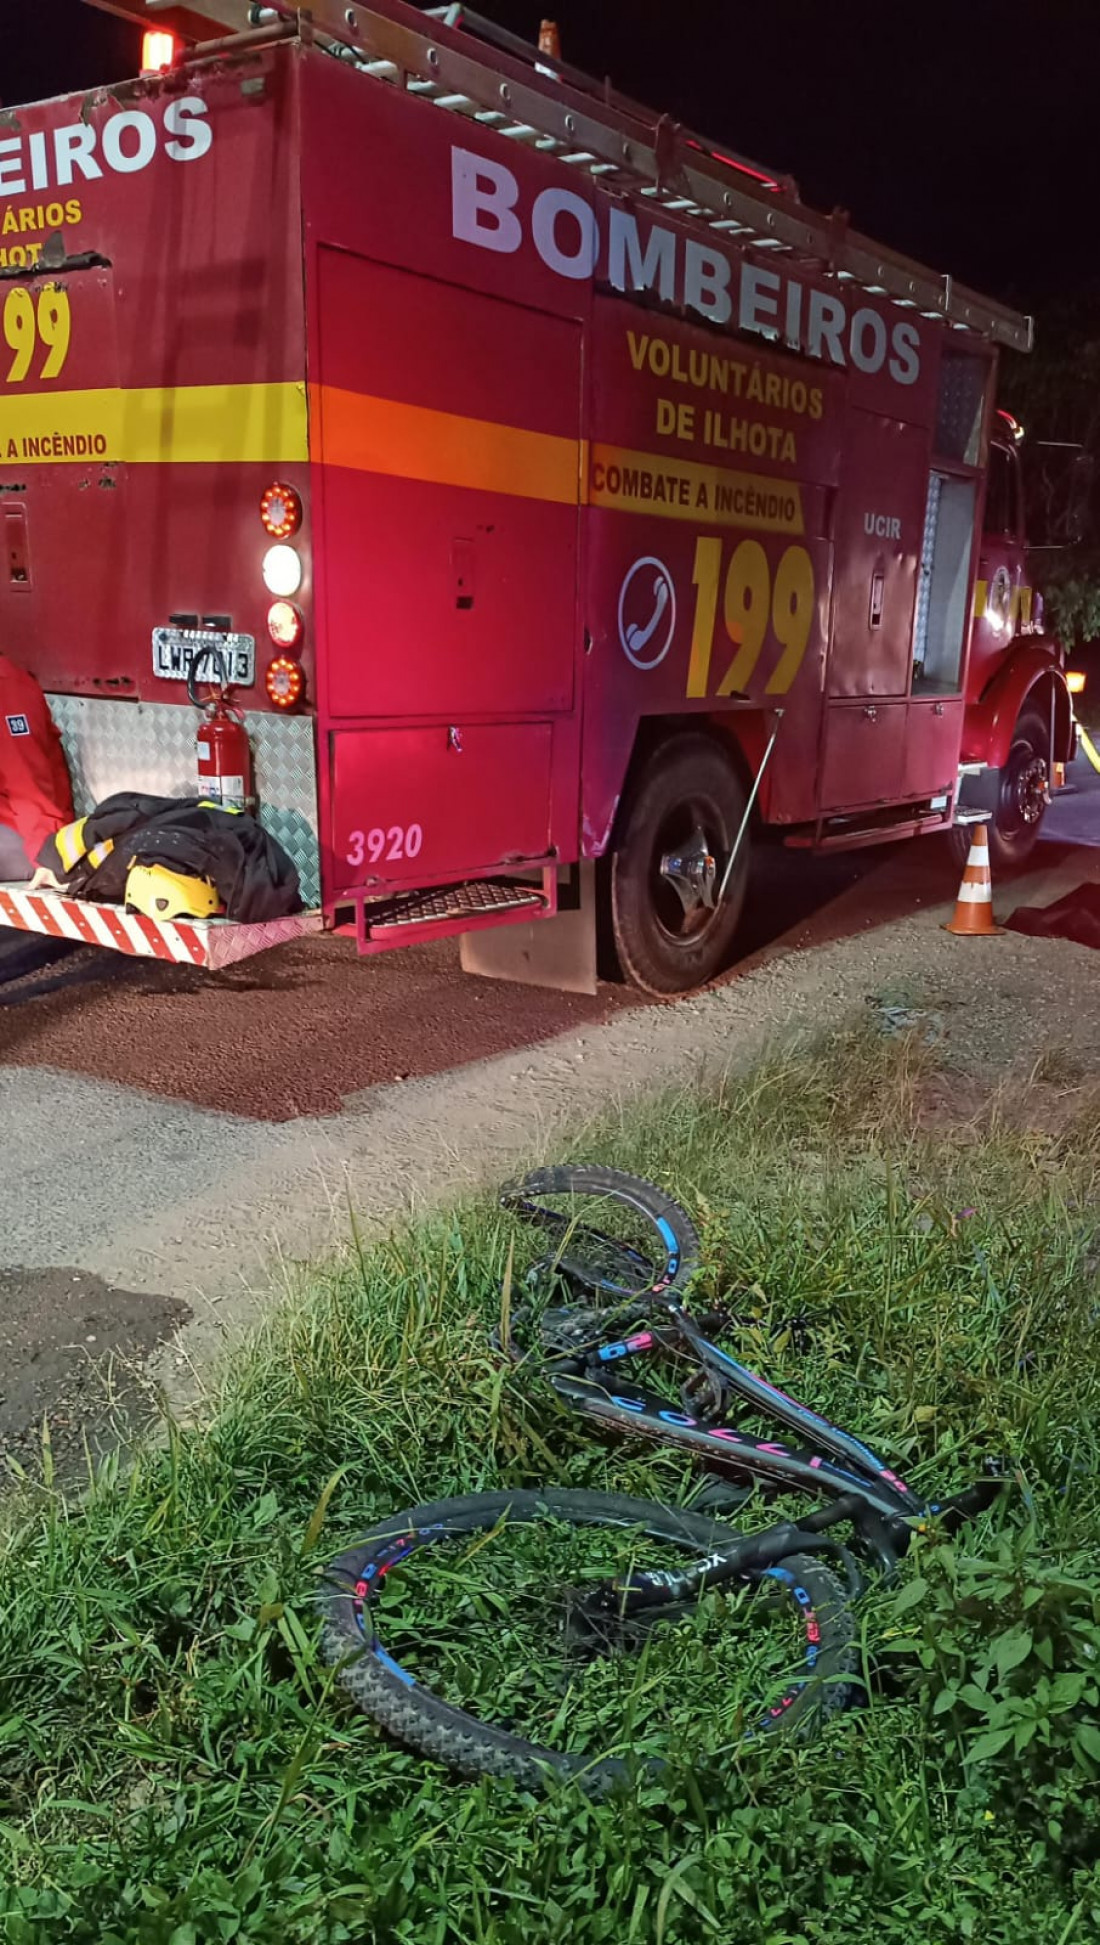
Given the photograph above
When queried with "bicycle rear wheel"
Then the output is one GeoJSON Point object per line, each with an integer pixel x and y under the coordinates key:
{"type": "Point", "coordinates": [483, 1665]}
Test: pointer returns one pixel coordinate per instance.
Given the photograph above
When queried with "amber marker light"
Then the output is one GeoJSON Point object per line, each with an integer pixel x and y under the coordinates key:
{"type": "Point", "coordinates": [281, 511]}
{"type": "Point", "coordinates": [285, 682]}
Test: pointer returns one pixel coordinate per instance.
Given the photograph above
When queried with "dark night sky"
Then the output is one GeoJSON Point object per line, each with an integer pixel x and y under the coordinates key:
{"type": "Point", "coordinates": [963, 132]}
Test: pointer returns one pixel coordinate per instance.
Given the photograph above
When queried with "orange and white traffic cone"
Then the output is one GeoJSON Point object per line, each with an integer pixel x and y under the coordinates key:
{"type": "Point", "coordinates": [974, 905]}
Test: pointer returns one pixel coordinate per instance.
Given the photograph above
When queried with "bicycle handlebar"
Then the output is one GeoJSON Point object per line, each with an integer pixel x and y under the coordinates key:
{"type": "Point", "coordinates": [754, 1553]}
{"type": "Point", "coordinates": [967, 1504]}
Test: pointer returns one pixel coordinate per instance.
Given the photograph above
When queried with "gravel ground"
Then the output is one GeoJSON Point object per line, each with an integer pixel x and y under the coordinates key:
{"type": "Point", "coordinates": [214, 1211]}
{"type": "Point", "coordinates": [281, 1036]}
{"type": "Point", "coordinates": [294, 1032]}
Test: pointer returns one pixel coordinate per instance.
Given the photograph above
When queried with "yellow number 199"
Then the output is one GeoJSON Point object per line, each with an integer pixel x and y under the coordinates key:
{"type": "Point", "coordinates": [750, 605]}
{"type": "Point", "coordinates": [26, 325]}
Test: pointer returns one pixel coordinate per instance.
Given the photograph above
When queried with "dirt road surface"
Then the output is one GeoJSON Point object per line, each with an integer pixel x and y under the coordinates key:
{"type": "Point", "coordinates": [299, 1031]}
{"type": "Point", "coordinates": [175, 1147]}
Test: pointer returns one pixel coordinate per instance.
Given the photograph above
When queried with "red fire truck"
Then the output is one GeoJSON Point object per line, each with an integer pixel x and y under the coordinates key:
{"type": "Point", "coordinates": [572, 505]}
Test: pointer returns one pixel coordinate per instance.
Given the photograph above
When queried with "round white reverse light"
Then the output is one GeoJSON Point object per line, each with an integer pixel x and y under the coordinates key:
{"type": "Point", "coordinates": [282, 571]}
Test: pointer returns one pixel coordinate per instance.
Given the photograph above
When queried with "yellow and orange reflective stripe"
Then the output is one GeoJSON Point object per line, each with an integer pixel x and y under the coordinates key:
{"type": "Point", "coordinates": [270, 424]}
{"type": "Point", "coordinates": [382, 435]}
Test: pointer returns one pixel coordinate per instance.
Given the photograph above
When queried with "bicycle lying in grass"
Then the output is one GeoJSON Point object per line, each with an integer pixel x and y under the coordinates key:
{"type": "Point", "coordinates": [600, 1627]}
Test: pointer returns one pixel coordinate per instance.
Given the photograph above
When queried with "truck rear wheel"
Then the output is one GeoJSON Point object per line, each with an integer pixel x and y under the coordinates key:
{"type": "Point", "coordinates": [680, 822]}
{"type": "Point", "coordinates": [1020, 795]}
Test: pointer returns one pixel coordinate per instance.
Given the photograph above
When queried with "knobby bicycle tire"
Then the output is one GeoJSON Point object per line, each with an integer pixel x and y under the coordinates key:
{"type": "Point", "coordinates": [474, 1747]}
{"type": "Point", "coordinates": [673, 1228]}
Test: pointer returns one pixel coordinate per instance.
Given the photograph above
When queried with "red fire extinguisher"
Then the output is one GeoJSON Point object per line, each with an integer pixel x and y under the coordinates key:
{"type": "Point", "coordinates": [223, 756]}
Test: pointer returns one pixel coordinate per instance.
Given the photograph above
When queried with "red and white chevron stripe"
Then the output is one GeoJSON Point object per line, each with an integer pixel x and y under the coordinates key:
{"type": "Point", "coordinates": [209, 942]}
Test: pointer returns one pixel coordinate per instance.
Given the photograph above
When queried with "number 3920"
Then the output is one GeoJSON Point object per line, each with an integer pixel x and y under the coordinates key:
{"type": "Point", "coordinates": [385, 844]}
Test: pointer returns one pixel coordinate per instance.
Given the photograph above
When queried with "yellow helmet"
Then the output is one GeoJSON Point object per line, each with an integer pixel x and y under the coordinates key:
{"type": "Point", "coordinates": [163, 894]}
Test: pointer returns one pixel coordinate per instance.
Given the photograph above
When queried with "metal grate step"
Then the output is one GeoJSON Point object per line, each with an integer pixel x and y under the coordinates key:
{"type": "Point", "coordinates": [450, 902]}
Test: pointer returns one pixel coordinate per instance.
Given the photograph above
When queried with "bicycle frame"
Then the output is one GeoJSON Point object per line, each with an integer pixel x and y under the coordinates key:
{"type": "Point", "coordinates": [882, 1508]}
{"type": "Point", "coordinates": [861, 1487]}
{"type": "Point", "coordinates": [832, 1460]}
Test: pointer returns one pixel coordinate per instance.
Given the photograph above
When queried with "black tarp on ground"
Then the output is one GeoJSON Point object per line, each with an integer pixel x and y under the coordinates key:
{"type": "Point", "coordinates": [1076, 916]}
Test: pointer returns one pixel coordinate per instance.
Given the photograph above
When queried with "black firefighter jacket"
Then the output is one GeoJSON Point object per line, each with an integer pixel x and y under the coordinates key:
{"type": "Point", "coordinates": [252, 874]}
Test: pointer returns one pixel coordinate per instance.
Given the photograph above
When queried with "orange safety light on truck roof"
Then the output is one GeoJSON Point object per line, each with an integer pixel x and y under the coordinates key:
{"type": "Point", "coordinates": [159, 52]}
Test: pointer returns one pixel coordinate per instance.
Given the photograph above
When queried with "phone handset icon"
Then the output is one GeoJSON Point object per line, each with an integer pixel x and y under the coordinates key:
{"type": "Point", "coordinates": [637, 637]}
{"type": "Point", "coordinates": [647, 612]}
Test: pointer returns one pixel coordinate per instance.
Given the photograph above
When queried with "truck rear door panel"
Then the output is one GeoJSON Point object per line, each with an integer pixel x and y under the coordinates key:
{"type": "Point", "coordinates": [447, 451]}
{"type": "Point", "coordinates": [412, 805]}
{"type": "Point", "coordinates": [62, 490]}
{"type": "Point", "coordinates": [448, 427]}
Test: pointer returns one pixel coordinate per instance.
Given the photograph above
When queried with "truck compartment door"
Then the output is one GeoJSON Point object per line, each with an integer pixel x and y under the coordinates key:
{"type": "Point", "coordinates": [447, 426]}
{"type": "Point", "coordinates": [877, 541]}
{"type": "Point", "coordinates": [864, 755]}
{"type": "Point", "coordinates": [932, 736]}
{"type": "Point", "coordinates": [877, 535]}
{"type": "Point", "coordinates": [419, 806]}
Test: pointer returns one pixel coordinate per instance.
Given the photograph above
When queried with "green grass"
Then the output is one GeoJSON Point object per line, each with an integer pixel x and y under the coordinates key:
{"type": "Point", "coordinates": [175, 1766]}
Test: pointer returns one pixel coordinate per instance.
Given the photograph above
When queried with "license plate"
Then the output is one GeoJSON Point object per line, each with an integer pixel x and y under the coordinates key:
{"type": "Point", "coordinates": [174, 650]}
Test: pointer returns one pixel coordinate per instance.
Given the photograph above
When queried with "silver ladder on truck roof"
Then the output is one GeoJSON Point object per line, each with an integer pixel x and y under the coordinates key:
{"type": "Point", "coordinates": [475, 69]}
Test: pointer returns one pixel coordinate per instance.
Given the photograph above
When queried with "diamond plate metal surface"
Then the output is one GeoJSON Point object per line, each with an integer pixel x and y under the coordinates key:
{"type": "Point", "coordinates": [150, 746]}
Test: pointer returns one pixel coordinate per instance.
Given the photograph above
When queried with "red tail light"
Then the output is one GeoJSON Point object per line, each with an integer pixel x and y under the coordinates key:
{"type": "Point", "coordinates": [285, 624]}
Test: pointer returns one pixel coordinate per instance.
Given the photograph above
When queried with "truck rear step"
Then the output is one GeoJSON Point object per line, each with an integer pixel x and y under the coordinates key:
{"type": "Point", "coordinates": [207, 942]}
{"type": "Point", "coordinates": [447, 909]}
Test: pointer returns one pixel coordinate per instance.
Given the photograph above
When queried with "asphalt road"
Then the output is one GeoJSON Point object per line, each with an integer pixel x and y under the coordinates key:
{"type": "Point", "coordinates": [133, 1096]}
{"type": "Point", "coordinates": [1074, 816]}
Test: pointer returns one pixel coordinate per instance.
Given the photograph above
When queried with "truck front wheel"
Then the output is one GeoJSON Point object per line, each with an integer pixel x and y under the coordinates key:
{"type": "Point", "coordinates": [679, 825]}
{"type": "Point", "coordinates": [1019, 799]}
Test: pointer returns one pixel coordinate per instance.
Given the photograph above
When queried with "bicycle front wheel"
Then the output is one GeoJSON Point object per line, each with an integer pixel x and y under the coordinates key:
{"type": "Point", "coordinates": [461, 1628]}
{"type": "Point", "coordinates": [615, 1235]}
